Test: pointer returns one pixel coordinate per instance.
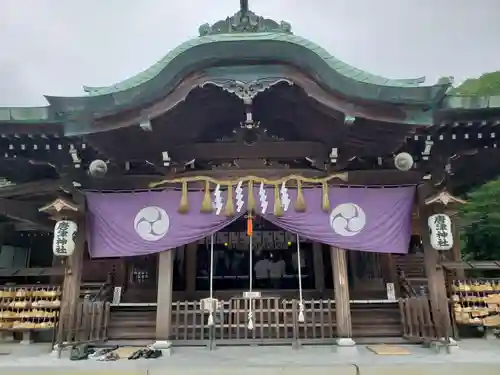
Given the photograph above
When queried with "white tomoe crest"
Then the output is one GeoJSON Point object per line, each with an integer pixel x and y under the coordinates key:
{"type": "Point", "coordinates": [64, 237]}
{"type": "Point", "coordinates": [440, 232]}
{"type": "Point", "coordinates": [152, 223]}
{"type": "Point", "coordinates": [347, 219]}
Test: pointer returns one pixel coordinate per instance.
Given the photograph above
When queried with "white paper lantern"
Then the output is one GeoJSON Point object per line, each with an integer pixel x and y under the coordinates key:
{"type": "Point", "coordinates": [403, 161]}
{"type": "Point", "coordinates": [441, 234]}
{"type": "Point", "coordinates": [64, 238]}
{"type": "Point", "coordinates": [98, 168]}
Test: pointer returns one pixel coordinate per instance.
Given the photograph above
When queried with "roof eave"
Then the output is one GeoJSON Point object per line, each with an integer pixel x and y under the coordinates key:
{"type": "Point", "coordinates": [394, 89]}
{"type": "Point", "coordinates": [470, 102]}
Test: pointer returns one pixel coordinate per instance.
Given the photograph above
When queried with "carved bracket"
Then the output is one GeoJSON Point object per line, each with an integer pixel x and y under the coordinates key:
{"type": "Point", "coordinates": [444, 198]}
{"type": "Point", "coordinates": [60, 208]}
{"type": "Point", "coordinates": [247, 90]}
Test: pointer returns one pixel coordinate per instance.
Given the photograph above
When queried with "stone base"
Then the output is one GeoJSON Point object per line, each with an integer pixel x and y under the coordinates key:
{"type": "Point", "coordinates": [444, 346]}
{"type": "Point", "coordinates": [27, 340]}
{"type": "Point", "coordinates": [452, 346]}
{"type": "Point", "coordinates": [489, 334]}
{"type": "Point", "coordinates": [58, 352]}
{"type": "Point", "coordinates": [165, 346]}
{"type": "Point", "coordinates": [346, 346]}
{"type": "Point", "coordinates": [6, 337]}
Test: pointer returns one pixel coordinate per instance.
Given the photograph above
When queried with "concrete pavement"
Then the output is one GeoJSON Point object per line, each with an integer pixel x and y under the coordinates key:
{"type": "Point", "coordinates": [475, 357]}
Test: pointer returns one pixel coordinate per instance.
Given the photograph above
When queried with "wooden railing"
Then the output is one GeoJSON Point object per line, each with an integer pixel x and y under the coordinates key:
{"type": "Point", "coordinates": [419, 325]}
{"type": "Point", "coordinates": [319, 324]}
{"type": "Point", "coordinates": [89, 324]}
{"type": "Point", "coordinates": [100, 291]}
{"type": "Point", "coordinates": [407, 289]}
{"type": "Point", "coordinates": [275, 321]}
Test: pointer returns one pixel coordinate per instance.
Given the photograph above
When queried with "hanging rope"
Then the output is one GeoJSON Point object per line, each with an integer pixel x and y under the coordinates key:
{"type": "Point", "coordinates": [250, 270]}
{"type": "Point", "coordinates": [211, 282]}
{"type": "Point", "coordinates": [250, 301]}
{"type": "Point", "coordinates": [299, 265]}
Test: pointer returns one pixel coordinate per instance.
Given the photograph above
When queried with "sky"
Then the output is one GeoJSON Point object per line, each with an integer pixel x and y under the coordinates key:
{"type": "Point", "coordinates": [54, 47]}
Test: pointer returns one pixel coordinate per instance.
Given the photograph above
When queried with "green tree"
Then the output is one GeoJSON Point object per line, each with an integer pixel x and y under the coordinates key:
{"type": "Point", "coordinates": [486, 85]}
{"type": "Point", "coordinates": [481, 223]}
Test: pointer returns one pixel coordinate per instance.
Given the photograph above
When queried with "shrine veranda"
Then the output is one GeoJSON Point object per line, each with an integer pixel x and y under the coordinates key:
{"type": "Point", "coordinates": [232, 194]}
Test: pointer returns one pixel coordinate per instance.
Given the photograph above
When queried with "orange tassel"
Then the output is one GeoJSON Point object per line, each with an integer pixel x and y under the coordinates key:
{"type": "Point", "coordinates": [249, 225]}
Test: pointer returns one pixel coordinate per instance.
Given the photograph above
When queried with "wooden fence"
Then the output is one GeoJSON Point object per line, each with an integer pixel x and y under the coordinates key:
{"type": "Point", "coordinates": [89, 324]}
{"type": "Point", "coordinates": [419, 325]}
{"type": "Point", "coordinates": [274, 321]}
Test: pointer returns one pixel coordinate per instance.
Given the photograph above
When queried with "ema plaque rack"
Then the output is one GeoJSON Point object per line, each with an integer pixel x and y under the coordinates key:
{"type": "Point", "coordinates": [29, 308]}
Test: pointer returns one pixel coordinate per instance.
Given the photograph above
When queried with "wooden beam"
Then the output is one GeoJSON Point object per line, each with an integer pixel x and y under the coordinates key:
{"type": "Point", "coordinates": [38, 128]}
{"type": "Point", "coordinates": [32, 272]}
{"type": "Point", "coordinates": [262, 150]}
{"type": "Point", "coordinates": [124, 182]}
{"type": "Point", "coordinates": [355, 177]}
{"type": "Point", "coordinates": [472, 265]}
{"type": "Point", "coordinates": [360, 177]}
{"type": "Point", "coordinates": [369, 110]}
{"type": "Point", "coordinates": [30, 188]}
{"type": "Point", "coordinates": [24, 211]}
{"type": "Point", "coordinates": [229, 173]}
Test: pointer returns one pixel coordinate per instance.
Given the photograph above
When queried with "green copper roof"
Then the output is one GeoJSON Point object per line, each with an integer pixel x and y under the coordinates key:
{"type": "Point", "coordinates": [335, 64]}
{"type": "Point", "coordinates": [25, 114]}
{"type": "Point", "coordinates": [247, 29]}
{"type": "Point", "coordinates": [471, 102]}
{"type": "Point", "coordinates": [246, 39]}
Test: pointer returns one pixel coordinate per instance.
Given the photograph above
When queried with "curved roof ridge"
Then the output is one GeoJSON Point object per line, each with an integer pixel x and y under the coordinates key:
{"type": "Point", "coordinates": [334, 63]}
{"type": "Point", "coordinates": [412, 81]}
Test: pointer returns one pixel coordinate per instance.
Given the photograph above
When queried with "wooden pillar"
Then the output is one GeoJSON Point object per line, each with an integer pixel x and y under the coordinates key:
{"type": "Point", "coordinates": [319, 275]}
{"type": "Point", "coordinates": [353, 265]}
{"type": "Point", "coordinates": [435, 276]}
{"type": "Point", "coordinates": [56, 262]}
{"type": "Point", "coordinates": [65, 209]}
{"type": "Point", "coordinates": [72, 283]}
{"type": "Point", "coordinates": [164, 300]}
{"type": "Point", "coordinates": [389, 272]}
{"type": "Point", "coordinates": [342, 304]}
{"type": "Point", "coordinates": [190, 261]}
